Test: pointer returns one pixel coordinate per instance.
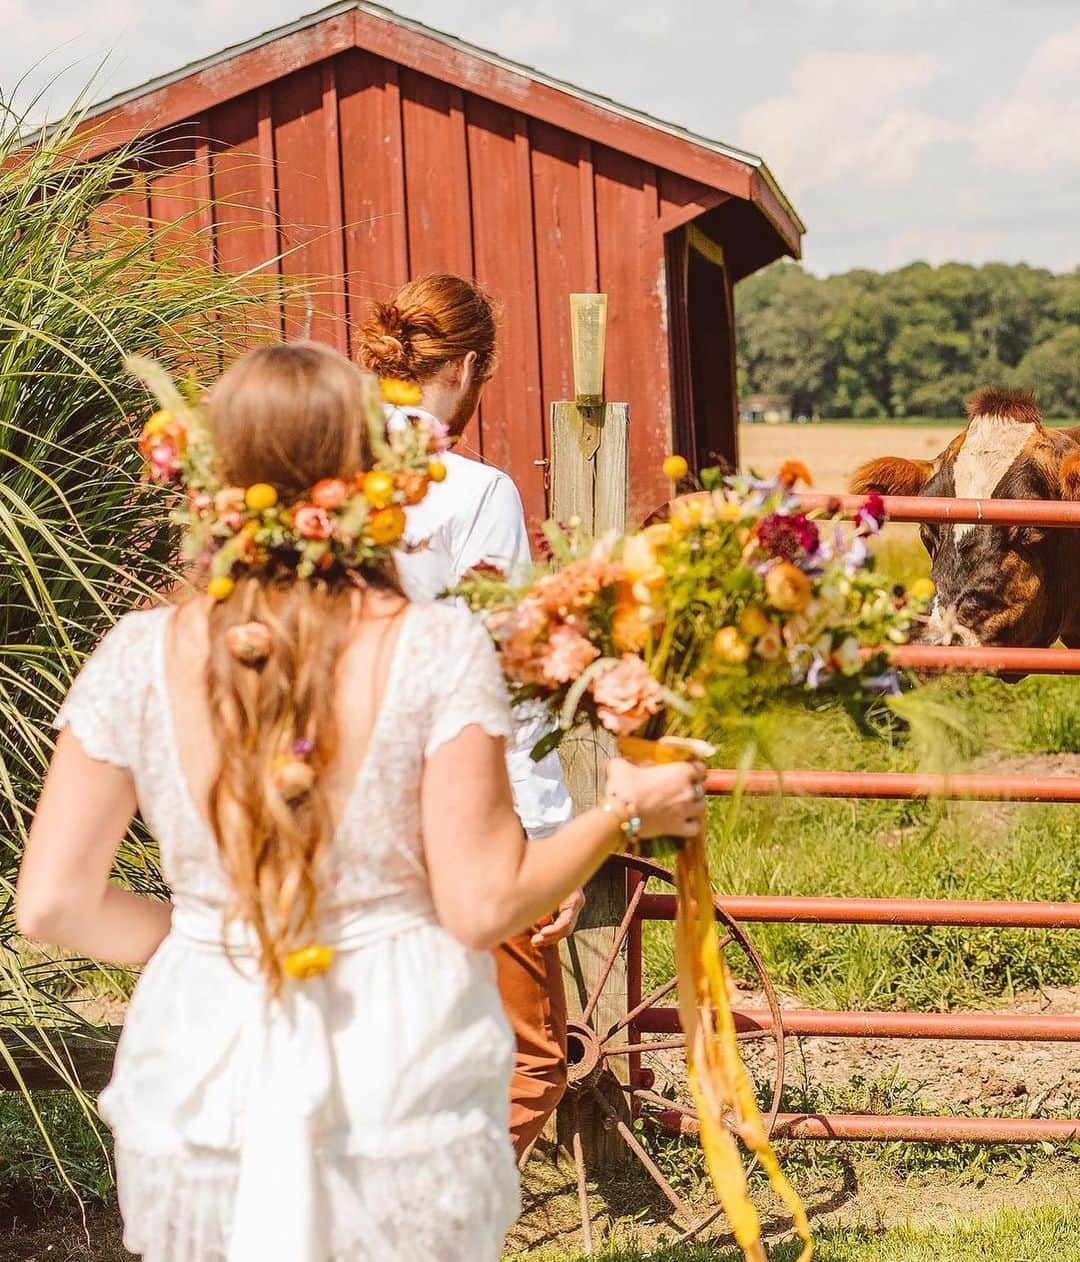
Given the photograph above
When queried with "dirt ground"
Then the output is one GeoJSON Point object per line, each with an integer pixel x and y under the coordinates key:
{"type": "Point", "coordinates": [833, 452]}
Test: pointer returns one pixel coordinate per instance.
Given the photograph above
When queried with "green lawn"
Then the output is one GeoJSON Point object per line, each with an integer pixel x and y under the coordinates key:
{"type": "Point", "coordinates": [1054, 1234]}
{"type": "Point", "coordinates": [897, 849]}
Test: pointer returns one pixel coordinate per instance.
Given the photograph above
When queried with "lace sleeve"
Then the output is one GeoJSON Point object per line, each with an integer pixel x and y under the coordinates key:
{"type": "Point", "coordinates": [102, 707]}
{"type": "Point", "coordinates": [472, 690]}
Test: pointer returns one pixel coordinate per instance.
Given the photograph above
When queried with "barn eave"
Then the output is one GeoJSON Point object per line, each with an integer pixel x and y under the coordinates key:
{"type": "Point", "coordinates": [194, 88]}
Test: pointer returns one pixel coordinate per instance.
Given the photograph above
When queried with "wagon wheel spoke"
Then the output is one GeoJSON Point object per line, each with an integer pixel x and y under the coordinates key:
{"type": "Point", "coordinates": [659, 993]}
{"type": "Point", "coordinates": [631, 1141]}
{"type": "Point", "coordinates": [658, 1045]}
{"type": "Point", "coordinates": [582, 1185]}
{"type": "Point", "coordinates": [613, 953]}
{"type": "Point", "coordinates": [706, 1220]}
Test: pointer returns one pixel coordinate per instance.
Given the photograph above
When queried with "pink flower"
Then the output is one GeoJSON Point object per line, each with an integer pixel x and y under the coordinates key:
{"type": "Point", "coordinates": [312, 522]}
{"type": "Point", "coordinates": [871, 515]}
{"type": "Point", "coordinates": [201, 503]}
{"type": "Point", "coordinates": [626, 695]}
{"type": "Point", "coordinates": [229, 499]}
{"type": "Point", "coordinates": [566, 655]}
{"type": "Point", "coordinates": [164, 459]}
{"type": "Point", "coordinates": [438, 434]}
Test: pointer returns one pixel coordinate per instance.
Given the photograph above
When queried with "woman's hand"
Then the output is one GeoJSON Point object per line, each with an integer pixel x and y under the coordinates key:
{"type": "Point", "coordinates": [668, 798]}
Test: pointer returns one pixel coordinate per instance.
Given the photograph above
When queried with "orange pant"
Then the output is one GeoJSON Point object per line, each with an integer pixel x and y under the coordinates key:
{"type": "Point", "coordinates": [531, 985]}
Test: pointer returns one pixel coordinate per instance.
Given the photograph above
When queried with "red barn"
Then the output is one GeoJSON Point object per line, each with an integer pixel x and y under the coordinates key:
{"type": "Point", "coordinates": [357, 148]}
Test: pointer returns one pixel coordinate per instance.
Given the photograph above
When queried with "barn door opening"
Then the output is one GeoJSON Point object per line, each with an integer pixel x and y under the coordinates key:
{"type": "Point", "coordinates": [702, 335]}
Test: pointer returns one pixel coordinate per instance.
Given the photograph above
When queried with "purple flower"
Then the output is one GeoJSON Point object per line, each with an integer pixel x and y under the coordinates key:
{"type": "Point", "coordinates": [857, 555]}
{"type": "Point", "coordinates": [817, 670]}
{"type": "Point", "coordinates": [886, 685]}
{"type": "Point", "coordinates": [303, 747]}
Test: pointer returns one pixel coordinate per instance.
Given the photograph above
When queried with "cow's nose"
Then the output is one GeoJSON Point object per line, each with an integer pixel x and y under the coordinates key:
{"type": "Point", "coordinates": [944, 627]}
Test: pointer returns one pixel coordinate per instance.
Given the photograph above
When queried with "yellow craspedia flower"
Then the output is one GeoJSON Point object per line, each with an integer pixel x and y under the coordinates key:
{"type": "Point", "coordinates": [158, 423]}
{"type": "Point", "coordinates": [730, 647]}
{"type": "Point", "coordinates": [220, 588]}
{"type": "Point", "coordinates": [923, 590]}
{"type": "Point", "coordinates": [753, 622]}
{"type": "Point", "coordinates": [308, 962]}
{"type": "Point", "coordinates": [436, 471]}
{"type": "Point", "coordinates": [379, 488]}
{"type": "Point", "coordinates": [675, 468]}
{"type": "Point", "coordinates": [260, 496]}
{"type": "Point", "coordinates": [400, 394]}
{"type": "Point", "coordinates": [386, 526]}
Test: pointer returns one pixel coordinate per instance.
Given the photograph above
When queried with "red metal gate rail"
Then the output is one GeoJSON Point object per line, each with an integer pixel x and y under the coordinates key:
{"type": "Point", "coordinates": [1001, 1026]}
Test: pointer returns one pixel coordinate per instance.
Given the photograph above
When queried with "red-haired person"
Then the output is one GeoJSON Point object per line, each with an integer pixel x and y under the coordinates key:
{"type": "Point", "coordinates": [441, 333]}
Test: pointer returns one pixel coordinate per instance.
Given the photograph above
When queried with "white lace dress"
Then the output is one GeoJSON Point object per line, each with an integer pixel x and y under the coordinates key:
{"type": "Point", "coordinates": [365, 1115]}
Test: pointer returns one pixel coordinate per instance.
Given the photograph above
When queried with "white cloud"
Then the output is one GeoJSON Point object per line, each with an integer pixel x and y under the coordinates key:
{"type": "Point", "coordinates": [649, 21]}
{"type": "Point", "coordinates": [525, 29]}
{"type": "Point", "coordinates": [844, 116]}
{"type": "Point", "coordinates": [942, 244]}
{"type": "Point", "coordinates": [1035, 129]}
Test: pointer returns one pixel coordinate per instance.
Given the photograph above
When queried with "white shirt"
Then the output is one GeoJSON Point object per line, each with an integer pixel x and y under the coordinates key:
{"type": "Point", "coordinates": [476, 515]}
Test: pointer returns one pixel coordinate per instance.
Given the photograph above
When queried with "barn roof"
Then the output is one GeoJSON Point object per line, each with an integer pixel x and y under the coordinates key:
{"type": "Point", "coordinates": [194, 88]}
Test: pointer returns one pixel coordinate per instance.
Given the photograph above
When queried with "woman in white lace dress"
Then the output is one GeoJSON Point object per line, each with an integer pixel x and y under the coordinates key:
{"type": "Point", "coordinates": [321, 763]}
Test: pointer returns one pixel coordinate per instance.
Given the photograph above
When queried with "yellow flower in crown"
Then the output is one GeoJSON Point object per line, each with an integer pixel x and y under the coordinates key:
{"type": "Point", "coordinates": [378, 488]}
{"type": "Point", "coordinates": [260, 496]}
{"type": "Point", "coordinates": [400, 394]}
{"type": "Point", "coordinates": [308, 962]}
{"type": "Point", "coordinates": [386, 526]}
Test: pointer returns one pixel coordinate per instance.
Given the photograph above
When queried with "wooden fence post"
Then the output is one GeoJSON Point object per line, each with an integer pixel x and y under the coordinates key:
{"type": "Point", "coordinates": [590, 481]}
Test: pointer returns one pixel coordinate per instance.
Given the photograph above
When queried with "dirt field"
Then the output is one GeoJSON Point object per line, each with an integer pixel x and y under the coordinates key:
{"type": "Point", "coordinates": [833, 452]}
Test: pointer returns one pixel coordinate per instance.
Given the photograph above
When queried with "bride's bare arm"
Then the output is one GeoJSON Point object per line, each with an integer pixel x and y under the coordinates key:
{"type": "Point", "coordinates": [64, 894]}
{"type": "Point", "coordinates": [488, 883]}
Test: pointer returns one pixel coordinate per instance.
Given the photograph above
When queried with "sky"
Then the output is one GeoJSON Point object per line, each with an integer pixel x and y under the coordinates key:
{"type": "Point", "coordinates": [900, 129]}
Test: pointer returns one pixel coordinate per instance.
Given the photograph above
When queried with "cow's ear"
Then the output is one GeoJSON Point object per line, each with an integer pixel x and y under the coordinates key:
{"type": "Point", "coordinates": [1069, 473]}
{"type": "Point", "coordinates": [891, 475]}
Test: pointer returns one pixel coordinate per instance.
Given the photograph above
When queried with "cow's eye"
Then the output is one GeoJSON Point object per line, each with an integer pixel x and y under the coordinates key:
{"type": "Point", "coordinates": [929, 538]}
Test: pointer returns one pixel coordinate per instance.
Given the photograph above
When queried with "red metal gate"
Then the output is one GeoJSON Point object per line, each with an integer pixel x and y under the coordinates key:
{"type": "Point", "coordinates": [818, 1023]}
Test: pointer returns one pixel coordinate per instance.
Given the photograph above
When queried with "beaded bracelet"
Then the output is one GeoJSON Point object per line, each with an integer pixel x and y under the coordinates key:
{"type": "Point", "coordinates": [625, 812]}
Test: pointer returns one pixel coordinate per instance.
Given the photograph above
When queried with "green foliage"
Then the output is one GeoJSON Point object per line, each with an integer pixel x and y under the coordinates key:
{"type": "Point", "coordinates": [914, 342]}
{"type": "Point", "coordinates": [906, 849]}
{"type": "Point", "coordinates": [1004, 1237]}
{"type": "Point", "coordinates": [77, 543]}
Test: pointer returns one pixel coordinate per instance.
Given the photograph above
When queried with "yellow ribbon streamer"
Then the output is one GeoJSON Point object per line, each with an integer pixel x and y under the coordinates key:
{"type": "Point", "coordinates": [719, 1082]}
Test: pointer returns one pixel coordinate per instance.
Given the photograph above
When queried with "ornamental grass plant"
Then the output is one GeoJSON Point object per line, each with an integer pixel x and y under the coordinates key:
{"type": "Point", "coordinates": [80, 288]}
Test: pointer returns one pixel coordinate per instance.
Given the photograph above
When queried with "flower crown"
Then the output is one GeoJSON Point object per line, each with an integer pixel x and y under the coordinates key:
{"type": "Point", "coordinates": [336, 528]}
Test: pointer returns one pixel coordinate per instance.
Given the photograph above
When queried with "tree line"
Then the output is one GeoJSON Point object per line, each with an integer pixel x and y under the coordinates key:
{"type": "Point", "coordinates": [912, 342]}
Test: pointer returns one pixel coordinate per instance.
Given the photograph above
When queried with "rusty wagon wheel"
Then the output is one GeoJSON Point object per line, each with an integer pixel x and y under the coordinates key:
{"type": "Point", "coordinates": [611, 1066]}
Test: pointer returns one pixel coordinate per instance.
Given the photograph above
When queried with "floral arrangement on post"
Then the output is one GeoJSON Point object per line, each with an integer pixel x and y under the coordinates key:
{"type": "Point", "coordinates": [660, 637]}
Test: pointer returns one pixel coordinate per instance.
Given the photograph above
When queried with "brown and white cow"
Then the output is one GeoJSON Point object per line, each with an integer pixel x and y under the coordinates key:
{"type": "Point", "coordinates": [1008, 585]}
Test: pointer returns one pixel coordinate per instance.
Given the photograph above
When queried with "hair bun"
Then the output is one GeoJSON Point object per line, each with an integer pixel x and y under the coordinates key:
{"type": "Point", "coordinates": [426, 324]}
{"type": "Point", "coordinates": [384, 342]}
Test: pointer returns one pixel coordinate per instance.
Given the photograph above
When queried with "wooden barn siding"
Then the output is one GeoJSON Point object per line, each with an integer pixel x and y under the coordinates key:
{"type": "Point", "coordinates": [362, 174]}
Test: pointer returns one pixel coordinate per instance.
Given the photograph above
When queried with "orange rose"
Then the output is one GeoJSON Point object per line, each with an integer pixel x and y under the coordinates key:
{"type": "Point", "coordinates": [412, 485]}
{"type": "Point", "coordinates": [330, 493]}
{"type": "Point", "coordinates": [312, 522]}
